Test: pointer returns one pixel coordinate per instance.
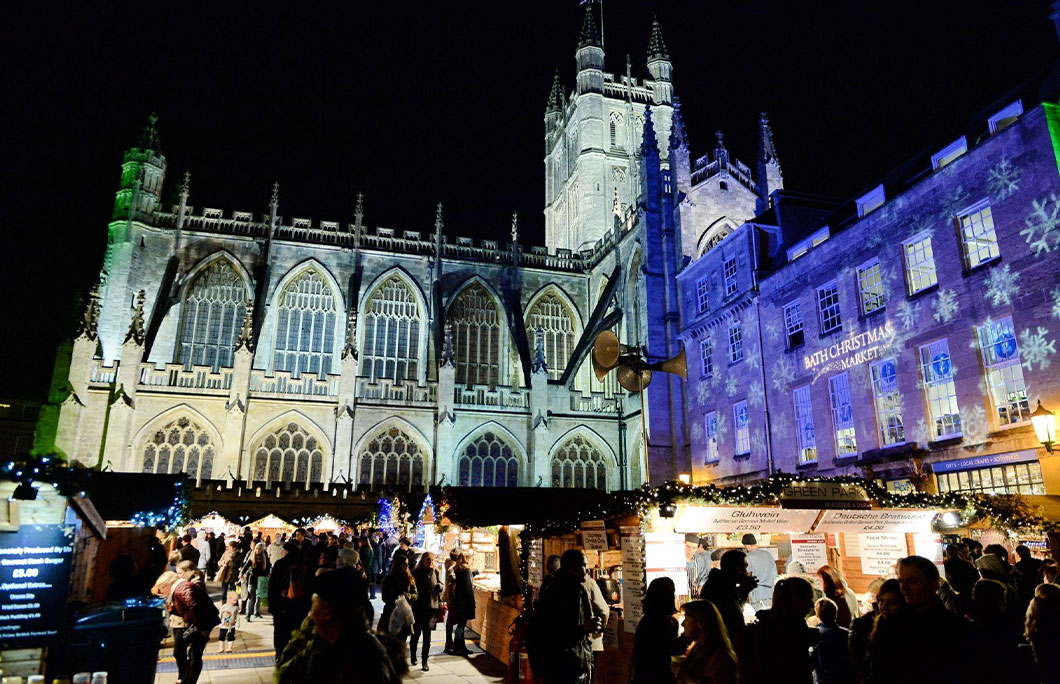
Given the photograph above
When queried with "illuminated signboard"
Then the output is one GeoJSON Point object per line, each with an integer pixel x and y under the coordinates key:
{"type": "Point", "coordinates": [34, 581]}
{"type": "Point", "coordinates": [853, 351]}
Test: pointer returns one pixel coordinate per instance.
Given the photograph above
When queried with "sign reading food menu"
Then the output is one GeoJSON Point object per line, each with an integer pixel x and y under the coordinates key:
{"type": "Point", "coordinates": [632, 576]}
{"type": "Point", "coordinates": [880, 552]}
{"type": "Point", "coordinates": [34, 581]}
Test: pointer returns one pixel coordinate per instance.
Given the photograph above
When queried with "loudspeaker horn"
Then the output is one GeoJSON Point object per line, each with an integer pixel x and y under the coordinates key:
{"type": "Point", "coordinates": [606, 353]}
{"type": "Point", "coordinates": [633, 377]}
{"type": "Point", "coordinates": [675, 365]}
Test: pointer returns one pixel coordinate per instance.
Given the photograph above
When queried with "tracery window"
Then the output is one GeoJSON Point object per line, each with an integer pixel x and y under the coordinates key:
{"type": "Point", "coordinates": [476, 323]}
{"type": "Point", "coordinates": [212, 315]}
{"type": "Point", "coordinates": [305, 329]}
{"type": "Point", "coordinates": [391, 458]}
{"type": "Point", "coordinates": [181, 446]}
{"type": "Point", "coordinates": [289, 455]}
{"type": "Point", "coordinates": [579, 464]}
{"type": "Point", "coordinates": [391, 332]}
{"type": "Point", "coordinates": [552, 317]}
{"type": "Point", "coordinates": [489, 461]}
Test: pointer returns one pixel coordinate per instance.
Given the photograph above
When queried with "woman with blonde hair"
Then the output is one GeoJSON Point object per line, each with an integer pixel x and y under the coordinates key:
{"type": "Point", "coordinates": [425, 608]}
{"type": "Point", "coordinates": [1042, 630]}
{"type": "Point", "coordinates": [835, 588]}
{"type": "Point", "coordinates": [711, 657]}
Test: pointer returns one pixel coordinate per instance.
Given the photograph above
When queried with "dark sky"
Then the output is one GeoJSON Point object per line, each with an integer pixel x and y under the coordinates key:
{"type": "Point", "coordinates": [416, 102]}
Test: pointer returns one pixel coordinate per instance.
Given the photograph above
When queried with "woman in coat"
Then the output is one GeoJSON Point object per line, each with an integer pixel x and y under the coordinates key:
{"type": "Point", "coordinates": [425, 609]}
{"type": "Point", "coordinates": [656, 639]}
{"type": "Point", "coordinates": [462, 604]}
{"type": "Point", "coordinates": [228, 570]}
{"type": "Point", "coordinates": [397, 583]}
{"type": "Point", "coordinates": [254, 567]}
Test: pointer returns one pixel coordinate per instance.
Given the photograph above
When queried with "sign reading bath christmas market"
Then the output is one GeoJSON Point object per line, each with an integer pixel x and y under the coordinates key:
{"type": "Point", "coordinates": [824, 495]}
{"type": "Point", "coordinates": [34, 581]}
{"type": "Point", "coordinates": [855, 350]}
{"type": "Point", "coordinates": [717, 519]}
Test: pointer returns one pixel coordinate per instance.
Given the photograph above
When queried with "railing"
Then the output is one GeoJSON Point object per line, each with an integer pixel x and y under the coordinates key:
{"type": "Point", "coordinates": [708, 171]}
{"type": "Point", "coordinates": [282, 382]}
{"type": "Point", "coordinates": [483, 395]}
{"type": "Point", "coordinates": [177, 376]}
{"type": "Point", "coordinates": [390, 392]}
{"type": "Point", "coordinates": [101, 374]}
{"type": "Point", "coordinates": [594, 403]}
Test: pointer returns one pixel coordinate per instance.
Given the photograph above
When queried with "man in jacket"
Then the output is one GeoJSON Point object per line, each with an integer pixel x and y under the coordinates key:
{"type": "Point", "coordinates": [289, 597]}
{"type": "Point", "coordinates": [727, 588]}
{"type": "Point", "coordinates": [188, 552]}
{"type": "Point", "coordinates": [760, 563]}
{"type": "Point", "coordinates": [560, 635]}
{"type": "Point", "coordinates": [190, 602]}
{"type": "Point", "coordinates": [364, 550]}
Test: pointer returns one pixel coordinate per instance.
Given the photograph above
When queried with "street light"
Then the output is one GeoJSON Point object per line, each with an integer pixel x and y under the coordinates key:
{"type": "Point", "coordinates": [1044, 426]}
{"type": "Point", "coordinates": [685, 479]}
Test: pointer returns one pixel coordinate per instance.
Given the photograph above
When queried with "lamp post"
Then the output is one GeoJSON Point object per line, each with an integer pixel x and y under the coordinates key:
{"type": "Point", "coordinates": [1044, 422]}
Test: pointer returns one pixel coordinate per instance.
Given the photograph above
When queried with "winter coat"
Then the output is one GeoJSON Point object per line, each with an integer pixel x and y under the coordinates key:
{"type": "Point", "coordinates": [655, 641]}
{"type": "Point", "coordinates": [700, 666]}
{"type": "Point", "coordinates": [776, 648]}
{"type": "Point", "coordinates": [560, 647]}
{"type": "Point", "coordinates": [227, 572]}
{"type": "Point", "coordinates": [462, 602]}
{"type": "Point", "coordinates": [832, 662]}
{"type": "Point", "coordinates": [601, 609]}
{"type": "Point", "coordinates": [193, 605]}
{"type": "Point", "coordinates": [906, 647]}
{"type": "Point", "coordinates": [428, 595]}
{"type": "Point", "coordinates": [395, 586]}
{"type": "Point", "coordinates": [961, 575]}
{"type": "Point", "coordinates": [723, 591]}
{"type": "Point", "coordinates": [188, 552]}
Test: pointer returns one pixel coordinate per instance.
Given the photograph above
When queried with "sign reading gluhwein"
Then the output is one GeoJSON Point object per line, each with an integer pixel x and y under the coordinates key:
{"type": "Point", "coordinates": [824, 495]}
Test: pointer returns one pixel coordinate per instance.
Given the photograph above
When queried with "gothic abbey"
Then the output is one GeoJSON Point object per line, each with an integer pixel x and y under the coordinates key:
{"type": "Point", "coordinates": [282, 351]}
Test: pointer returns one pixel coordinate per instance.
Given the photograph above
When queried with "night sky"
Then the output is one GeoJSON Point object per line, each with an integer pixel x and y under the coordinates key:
{"type": "Point", "coordinates": [414, 103]}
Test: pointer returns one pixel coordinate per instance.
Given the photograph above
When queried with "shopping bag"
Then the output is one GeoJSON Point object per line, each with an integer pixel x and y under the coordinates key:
{"type": "Point", "coordinates": [442, 610]}
{"type": "Point", "coordinates": [401, 618]}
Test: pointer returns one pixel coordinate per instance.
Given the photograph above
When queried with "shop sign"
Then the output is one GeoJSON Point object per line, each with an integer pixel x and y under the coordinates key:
{"type": "Point", "coordinates": [985, 461]}
{"type": "Point", "coordinates": [717, 519]}
{"type": "Point", "coordinates": [594, 535]}
{"type": "Point", "coordinates": [535, 563]}
{"type": "Point", "coordinates": [810, 550]}
{"type": "Point", "coordinates": [892, 520]}
{"type": "Point", "coordinates": [632, 577]}
{"type": "Point", "coordinates": [824, 495]}
{"type": "Point", "coordinates": [879, 553]}
{"type": "Point", "coordinates": [664, 556]}
{"type": "Point", "coordinates": [34, 581]}
{"type": "Point", "coordinates": [855, 350]}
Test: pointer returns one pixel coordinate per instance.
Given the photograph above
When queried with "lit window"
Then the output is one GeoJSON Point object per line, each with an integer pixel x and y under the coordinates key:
{"type": "Point", "coordinates": [919, 264]}
{"type": "Point", "coordinates": [579, 464]}
{"type": "Point", "coordinates": [735, 342]}
{"type": "Point", "coordinates": [828, 307]}
{"type": "Point", "coordinates": [180, 446]}
{"type": "Point", "coordinates": [305, 328]}
{"type": "Point", "coordinates": [391, 332]}
{"type": "Point", "coordinates": [842, 415]}
{"type": "Point", "coordinates": [1001, 357]}
{"type": "Point", "coordinates": [870, 286]}
{"type": "Point", "coordinates": [1018, 478]}
{"type": "Point", "coordinates": [949, 153]}
{"type": "Point", "coordinates": [489, 461]}
{"type": "Point", "coordinates": [1005, 116]}
{"type": "Point", "coordinates": [554, 320]}
{"type": "Point", "coordinates": [742, 420]}
{"type": "Point", "coordinates": [706, 351]}
{"type": "Point", "coordinates": [702, 288]}
{"type": "Point", "coordinates": [730, 277]}
{"type": "Point", "coordinates": [977, 235]}
{"type": "Point", "coordinates": [888, 402]}
{"type": "Point", "coordinates": [212, 316]}
{"type": "Point", "coordinates": [476, 324]}
{"type": "Point", "coordinates": [805, 435]}
{"type": "Point", "coordinates": [937, 368]}
{"type": "Point", "coordinates": [793, 324]}
{"type": "Point", "coordinates": [873, 199]}
{"type": "Point", "coordinates": [711, 428]}
{"type": "Point", "coordinates": [290, 455]}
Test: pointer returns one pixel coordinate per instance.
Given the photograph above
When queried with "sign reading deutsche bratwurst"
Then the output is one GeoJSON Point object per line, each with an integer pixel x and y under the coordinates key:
{"type": "Point", "coordinates": [716, 519]}
{"type": "Point", "coordinates": [824, 495]}
{"type": "Point", "coordinates": [34, 582]}
{"type": "Point", "coordinates": [891, 520]}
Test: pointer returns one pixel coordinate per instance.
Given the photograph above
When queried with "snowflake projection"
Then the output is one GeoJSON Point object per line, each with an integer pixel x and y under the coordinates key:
{"type": "Point", "coordinates": [1055, 294]}
{"type": "Point", "coordinates": [773, 329]}
{"type": "Point", "coordinates": [754, 360]}
{"type": "Point", "coordinates": [945, 305]}
{"type": "Point", "coordinates": [1043, 225]}
{"type": "Point", "coordinates": [730, 386]}
{"type": "Point", "coordinates": [920, 433]}
{"type": "Point", "coordinates": [723, 427]}
{"type": "Point", "coordinates": [921, 224]}
{"type": "Point", "coordinates": [755, 394]}
{"type": "Point", "coordinates": [859, 377]}
{"type": "Point", "coordinates": [974, 426]}
{"type": "Point", "coordinates": [781, 426]}
{"type": "Point", "coordinates": [1036, 348]}
{"type": "Point", "coordinates": [783, 373]}
{"type": "Point", "coordinates": [1003, 179]}
{"type": "Point", "coordinates": [758, 442]}
{"type": "Point", "coordinates": [1001, 285]}
{"type": "Point", "coordinates": [697, 432]}
{"type": "Point", "coordinates": [955, 203]}
{"type": "Point", "coordinates": [908, 313]}
{"type": "Point", "coordinates": [703, 392]}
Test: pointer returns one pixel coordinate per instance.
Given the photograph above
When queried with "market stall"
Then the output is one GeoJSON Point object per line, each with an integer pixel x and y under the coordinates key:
{"type": "Point", "coordinates": [216, 523]}
{"type": "Point", "coordinates": [271, 526]}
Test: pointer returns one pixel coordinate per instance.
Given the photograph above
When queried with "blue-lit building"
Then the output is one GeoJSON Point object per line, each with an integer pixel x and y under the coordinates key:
{"type": "Point", "coordinates": [906, 334]}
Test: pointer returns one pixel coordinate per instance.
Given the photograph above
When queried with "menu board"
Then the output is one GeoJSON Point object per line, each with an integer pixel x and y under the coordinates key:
{"type": "Point", "coordinates": [632, 577]}
{"type": "Point", "coordinates": [664, 556]}
{"type": "Point", "coordinates": [34, 582]}
{"type": "Point", "coordinates": [929, 545]}
{"type": "Point", "coordinates": [535, 563]}
{"type": "Point", "coordinates": [880, 552]}
{"type": "Point", "coordinates": [810, 550]}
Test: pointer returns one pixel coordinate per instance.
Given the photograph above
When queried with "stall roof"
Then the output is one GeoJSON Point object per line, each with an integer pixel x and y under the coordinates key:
{"type": "Point", "coordinates": [484, 506]}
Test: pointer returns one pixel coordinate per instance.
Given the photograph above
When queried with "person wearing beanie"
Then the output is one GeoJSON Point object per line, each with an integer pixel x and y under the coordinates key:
{"type": "Point", "coordinates": [760, 563]}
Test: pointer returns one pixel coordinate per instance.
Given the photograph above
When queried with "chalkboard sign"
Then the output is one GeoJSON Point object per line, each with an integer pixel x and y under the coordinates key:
{"type": "Point", "coordinates": [34, 581]}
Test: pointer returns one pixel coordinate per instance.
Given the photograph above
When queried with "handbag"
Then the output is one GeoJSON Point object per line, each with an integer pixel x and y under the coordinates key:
{"type": "Point", "coordinates": [401, 617]}
{"type": "Point", "coordinates": [442, 611]}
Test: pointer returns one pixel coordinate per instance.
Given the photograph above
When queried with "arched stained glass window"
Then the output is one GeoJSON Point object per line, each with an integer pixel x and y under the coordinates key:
{"type": "Point", "coordinates": [554, 319]}
{"type": "Point", "coordinates": [476, 324]}
{"type": "Point", "coordinates": [180, 446]}
{"type": "Point", "coordinates": [391, 332]}
{"type": "Point", "coordinates": [391, 458]}
{"type": "Point", "coordinates": [212, 315]}
{"type": "Point", "coordinates": [579, 464]}
{"type": "Point", "coordinates": [489, 461]}
{"type": "Point", "coordinates": [305, 325]}
{"type": "Point", "coordinates": [290, 455]}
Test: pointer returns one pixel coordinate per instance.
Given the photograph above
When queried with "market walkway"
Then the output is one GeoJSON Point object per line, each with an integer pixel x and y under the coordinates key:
{"type": "Point", "coordinates": [252, 659]}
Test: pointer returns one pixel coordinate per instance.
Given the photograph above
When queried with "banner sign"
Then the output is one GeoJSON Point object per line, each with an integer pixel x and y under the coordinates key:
{"type": "Point", "coordinates": [35, 566]}
{"type": "Point", "coordinates": [632, 577]}
{"type": "Point", "coordinates": [716, 519]}
{"type": "Point", "coordinates": [891, 520]}
{"type": "Point", "coordinates": [879, 553]}
{"type": "Point", "coordinates": [824, 495]}
{"type": "Point", "coordinates": [984, 461]}
{"type": "Point", "coordinates": [810, 550]}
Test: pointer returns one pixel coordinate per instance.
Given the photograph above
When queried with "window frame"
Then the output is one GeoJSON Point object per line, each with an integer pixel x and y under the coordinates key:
{"type": "Point", "coordinates": [880, 296]}
{"type": "Point", "coordinates": [939, 390]}
{"type": "Point", "coordinates": [710, 437]}
{"type": "Point", "coordinates": [706, 353]}
{"type": "Point", "coordinates": [741, 435]}
{"type": "Point", "coordinates": [732, 284]}
{"type": "Point", "coordinates": [968, 237]}
{"type": "Point", "coordinates": [796, 307]}
{"type": "Point", "coordinates": [887, 404]}
{"type": "Point", "coordinates": [927, 256]}
{"type": "Point", "coordinates": [803, 409]}
{"type": "Point", "coordinates": [844, 430]}
{"type": "Point", "coordinates": [831, 311]}
{"type": "Point", "coordinates": [735, 342]}
{"type": "Point", "coordinates": [703, 294]}
{"type": "Point", "coordinates": [999, 371]}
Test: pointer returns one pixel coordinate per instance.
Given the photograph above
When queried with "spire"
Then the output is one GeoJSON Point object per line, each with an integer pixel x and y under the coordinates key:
{"type": "Point", "coordinates": [184, 189]}
{"type": "Point", "coordinates": [590, 34]}
{"type": "Point", "coordinates": [439, 223]}
{"type": "Point", "coordinates": [136, 326]}
{"type": "Point", "coordinates": [89, 322]}
{"type": "Point", "coordinates": [656, 46]}
{"type": "Point", "coordinates": [720, 153]}
{"type": "Point", "coordinates": [246, 332]}
{"type": "Point", "coordinates": [555, 96]}
{"type": "Point", "coordinates": [767, 152]}
{"type": "Point", "coordinates": [448, 355]}
{"type": "Point", "coordinates": [351, 337]}
{"type": "Point", "coordinates": [540, 365]}
{"type": "Point", "coordinates": [358, 219]}
{"type": "Point", "coordinates": [515, 229]}
{"type": "Point", "coordinates": [274, 199]}
{"type": "Point", "coordinates": [149, 136]}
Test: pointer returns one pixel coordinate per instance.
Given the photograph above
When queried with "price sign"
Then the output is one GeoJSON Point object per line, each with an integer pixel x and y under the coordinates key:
{"type": "Point", "coordinates": [34, 581]}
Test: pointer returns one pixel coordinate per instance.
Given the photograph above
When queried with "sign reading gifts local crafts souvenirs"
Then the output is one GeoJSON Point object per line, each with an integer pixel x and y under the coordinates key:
{"type": "Point", "coordinates": [34, 581]}
{"type": "Point", "coordinates": [824, 495]}
{"type": "Point", "coordinates": [891, 520]}
{"type": "Point", "coordinates": [717, 519]}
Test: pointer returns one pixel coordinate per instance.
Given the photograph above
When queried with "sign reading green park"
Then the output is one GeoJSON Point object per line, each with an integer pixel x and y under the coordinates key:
{"type": "Point", "coordinates": [34, 581]}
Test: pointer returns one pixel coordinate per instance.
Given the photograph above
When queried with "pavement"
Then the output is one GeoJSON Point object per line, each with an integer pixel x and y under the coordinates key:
{"type": "Point", "coordinates": [252, 658]}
